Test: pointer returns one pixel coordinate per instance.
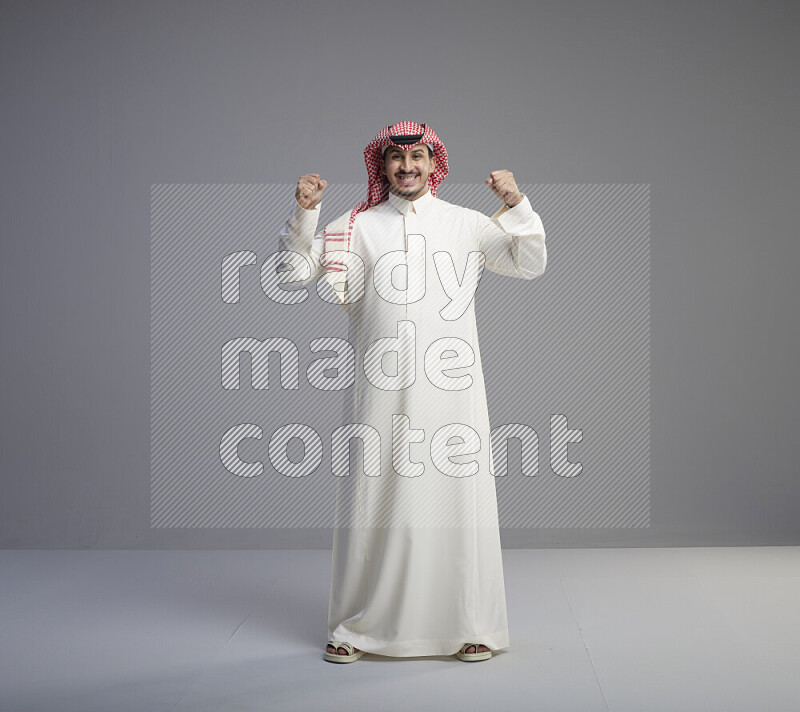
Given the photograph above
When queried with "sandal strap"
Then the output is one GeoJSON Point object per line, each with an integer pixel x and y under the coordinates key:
{"type": "Point", "coordinates": [347, 646]}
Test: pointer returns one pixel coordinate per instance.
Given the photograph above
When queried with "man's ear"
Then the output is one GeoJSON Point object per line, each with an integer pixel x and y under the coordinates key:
{"type": "Point", "coordinates": [433, 163]}
{"type": "Point", "coordinates": [383, 166]}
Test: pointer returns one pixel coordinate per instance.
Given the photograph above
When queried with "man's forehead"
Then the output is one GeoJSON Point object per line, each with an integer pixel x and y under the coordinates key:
{"type": "Point", "coordinates": [416, 146]}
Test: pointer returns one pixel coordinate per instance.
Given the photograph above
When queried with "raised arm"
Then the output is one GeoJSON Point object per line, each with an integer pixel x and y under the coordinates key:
{"type": "Point", "coordinates": [299, 233]}
{"type": "Point", "coordinates": [513, 239]}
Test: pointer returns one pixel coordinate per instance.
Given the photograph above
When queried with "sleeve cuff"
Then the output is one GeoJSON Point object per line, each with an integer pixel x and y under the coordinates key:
{"type": "Point", "coordinates": [304, 220]}
{"type": "Point", "coordinates": [300, 210]}
{"type": "Point", "coordinates": [512, 219]}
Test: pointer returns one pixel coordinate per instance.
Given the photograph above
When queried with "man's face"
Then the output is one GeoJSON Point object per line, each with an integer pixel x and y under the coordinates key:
{"type": "Point", "coordinates": [408, 171]}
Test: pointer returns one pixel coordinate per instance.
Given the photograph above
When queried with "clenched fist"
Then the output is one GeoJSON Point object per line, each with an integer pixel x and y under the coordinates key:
{"type": "Point", "coordinates": [504, 187]}
{"type": "Point", "coordinates": [309, 190]}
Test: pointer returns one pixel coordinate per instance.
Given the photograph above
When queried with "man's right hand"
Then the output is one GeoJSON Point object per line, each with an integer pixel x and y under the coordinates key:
{"type": "Point", "coordinates": [309, 190]}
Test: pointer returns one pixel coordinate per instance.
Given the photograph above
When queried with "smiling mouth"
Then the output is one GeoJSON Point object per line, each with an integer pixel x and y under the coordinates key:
{"type": "Point", "coordinates": [407, 178]}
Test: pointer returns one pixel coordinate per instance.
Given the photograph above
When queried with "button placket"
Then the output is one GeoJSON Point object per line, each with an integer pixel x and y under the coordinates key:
{"type": "Point", "coordinates": [412, 228]}
{"type": "Point", "coordinates": [407, 226]}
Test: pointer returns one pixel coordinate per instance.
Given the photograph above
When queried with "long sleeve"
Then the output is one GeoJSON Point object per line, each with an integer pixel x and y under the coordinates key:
{"type": "Point", "coordinates": [298, 235]}
{"type": "Point", "coordinates": [513, 241]}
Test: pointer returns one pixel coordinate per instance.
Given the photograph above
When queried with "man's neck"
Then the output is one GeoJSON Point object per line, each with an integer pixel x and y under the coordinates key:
{"type": "Point", "coordinates": [416, 197]}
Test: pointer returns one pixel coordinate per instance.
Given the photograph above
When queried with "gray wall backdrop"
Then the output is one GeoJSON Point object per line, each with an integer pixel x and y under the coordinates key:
{"type": "Point", "coordinates": [103, 99]}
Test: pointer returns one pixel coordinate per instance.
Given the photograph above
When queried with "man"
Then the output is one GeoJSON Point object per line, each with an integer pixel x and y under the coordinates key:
{"type": "Point", "coordinates": [417, 566]}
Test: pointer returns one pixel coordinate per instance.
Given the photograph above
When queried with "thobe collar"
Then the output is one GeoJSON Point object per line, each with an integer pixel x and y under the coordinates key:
{"type": "Point", "coordinates": [419, 206]}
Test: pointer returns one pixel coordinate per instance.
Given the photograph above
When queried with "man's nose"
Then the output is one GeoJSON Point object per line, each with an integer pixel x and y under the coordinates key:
{"type": "Point", "coordinates": [406, 163]}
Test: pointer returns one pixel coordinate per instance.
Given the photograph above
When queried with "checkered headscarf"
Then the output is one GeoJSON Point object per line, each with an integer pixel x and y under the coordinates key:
{"type": "Point", "coordinates": [404, 135]}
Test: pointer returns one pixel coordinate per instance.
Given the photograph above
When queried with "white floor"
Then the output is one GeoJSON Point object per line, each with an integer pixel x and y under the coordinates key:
{"type": "Point", "coordinates": [591, 629]}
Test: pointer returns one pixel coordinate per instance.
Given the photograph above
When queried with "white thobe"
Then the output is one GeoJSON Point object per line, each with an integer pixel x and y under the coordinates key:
{"type": "Point", "coordinates": [417, 567]}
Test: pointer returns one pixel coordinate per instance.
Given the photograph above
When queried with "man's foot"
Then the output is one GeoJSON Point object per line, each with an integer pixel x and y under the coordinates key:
{"type": "Point", "coordinates": [339, 651]}
{"type": "Point", "coordinates": [472, 652]}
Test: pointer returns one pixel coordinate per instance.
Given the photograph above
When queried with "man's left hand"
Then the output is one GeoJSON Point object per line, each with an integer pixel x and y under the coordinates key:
{"type": "Point", "coordinates": [504, 187]}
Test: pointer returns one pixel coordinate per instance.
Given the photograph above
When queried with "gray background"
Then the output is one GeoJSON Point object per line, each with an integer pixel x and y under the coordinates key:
{"type": "Point", "coordinates": [102, 100]}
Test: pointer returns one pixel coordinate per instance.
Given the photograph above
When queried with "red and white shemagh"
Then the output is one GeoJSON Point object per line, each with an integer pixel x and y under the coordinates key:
{"type": "Point", "coordinates": [403, 135]}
